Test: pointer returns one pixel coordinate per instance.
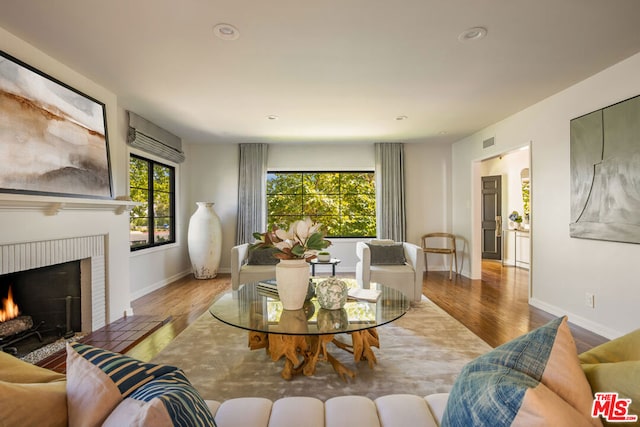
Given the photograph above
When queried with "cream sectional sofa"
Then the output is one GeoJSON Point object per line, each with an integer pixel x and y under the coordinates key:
{"type": "Point", "coordinates": [40, 397]}
{"type": "Point", "coordinates": [536, 379]}
{"type": "Point", "coordinates": [397, 410]}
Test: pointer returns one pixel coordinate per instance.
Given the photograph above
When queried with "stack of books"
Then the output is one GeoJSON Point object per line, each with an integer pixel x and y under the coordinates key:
{"type": "Point", "coordinates": [268, 288]}
{"type": "Point", "coordinates": [360, 294]}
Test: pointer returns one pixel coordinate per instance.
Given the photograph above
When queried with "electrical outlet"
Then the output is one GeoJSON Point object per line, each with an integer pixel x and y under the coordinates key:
{"type": "Point", "coordinates": [590, 300]}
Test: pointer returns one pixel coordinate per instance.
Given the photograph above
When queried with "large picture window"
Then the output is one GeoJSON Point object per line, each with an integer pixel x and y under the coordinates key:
{"type": "Point", "coordinates": [344, 202]}
{"type": "Point", "coordinates": [152, 184]}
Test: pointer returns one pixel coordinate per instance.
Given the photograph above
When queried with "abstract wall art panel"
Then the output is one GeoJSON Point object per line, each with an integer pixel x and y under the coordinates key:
{"type": "Point", "coordinates": [605, 173]}
{"type": "Point", "coordinates": [53, 138]}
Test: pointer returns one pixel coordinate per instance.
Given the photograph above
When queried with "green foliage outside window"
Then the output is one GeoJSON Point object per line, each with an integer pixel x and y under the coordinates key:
{"type": "Point", "coordinates": [525, 198]}
{"type": "Point", "coordinates": [152, 184]}
{"type": "Point", "coordinates": [344, 202]}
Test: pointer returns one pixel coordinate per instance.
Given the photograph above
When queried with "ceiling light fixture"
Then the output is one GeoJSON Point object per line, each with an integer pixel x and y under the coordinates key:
{"type": "Point", "coordinates": [402, 118]}
{"type": "Point", "coordinates": [475, 33]}
{"type": "Point", "coordinates": [273, 117]}
{"type": "Point", "coordinates": [226, 32]}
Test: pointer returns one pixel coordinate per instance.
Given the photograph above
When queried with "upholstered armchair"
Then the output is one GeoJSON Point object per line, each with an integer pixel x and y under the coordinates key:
{"type": "Point", "coordinates": [397, 265]}
{"type": "Point", "coordinates": [261, 265]}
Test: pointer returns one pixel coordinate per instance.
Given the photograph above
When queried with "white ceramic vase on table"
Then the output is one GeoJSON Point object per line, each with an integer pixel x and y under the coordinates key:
{"type": "Point", "coordinates": [292, 280]}
{"type": "Point", "coordinates": [204, 239]}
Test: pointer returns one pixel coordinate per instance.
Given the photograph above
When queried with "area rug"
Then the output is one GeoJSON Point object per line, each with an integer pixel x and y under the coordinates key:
{"type": "Point", "coordinates": [420, 353]}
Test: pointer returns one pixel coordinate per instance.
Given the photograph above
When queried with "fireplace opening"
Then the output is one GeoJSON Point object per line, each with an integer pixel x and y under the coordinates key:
{"type": "Point", "coordinates": [39, 306]}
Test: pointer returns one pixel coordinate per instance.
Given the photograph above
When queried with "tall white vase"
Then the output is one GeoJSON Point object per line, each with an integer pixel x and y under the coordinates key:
{"type": "Point", "coordinates": [292, 280]}
{"type": "Point", "coordinates": [204, 240]}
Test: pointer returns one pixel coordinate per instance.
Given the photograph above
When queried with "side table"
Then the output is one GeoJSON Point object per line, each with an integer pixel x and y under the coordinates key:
{"type": "Point", "coordinates": [333, 262]}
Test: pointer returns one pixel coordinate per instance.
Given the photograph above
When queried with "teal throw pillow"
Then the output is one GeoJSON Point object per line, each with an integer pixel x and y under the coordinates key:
{"type": "Point", "coordinates": [535, 379]}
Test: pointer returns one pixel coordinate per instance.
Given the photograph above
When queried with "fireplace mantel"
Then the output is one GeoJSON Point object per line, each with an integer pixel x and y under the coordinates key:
{"type": "Point", "coordinates": [54, 205]}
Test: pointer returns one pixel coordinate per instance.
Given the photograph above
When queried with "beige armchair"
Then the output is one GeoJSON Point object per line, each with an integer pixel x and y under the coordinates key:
{"type": "Point", "coordinates": [406, 277]}
{"type": "Point", "coordinates": [243, 272]}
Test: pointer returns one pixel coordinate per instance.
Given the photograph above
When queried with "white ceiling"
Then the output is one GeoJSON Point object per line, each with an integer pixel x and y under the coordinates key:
{"type": "Point", "coordinates": [332, 70]}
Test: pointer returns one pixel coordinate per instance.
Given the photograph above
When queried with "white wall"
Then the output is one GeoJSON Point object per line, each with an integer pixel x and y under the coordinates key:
{"type": "Point", "coordinates": [213, 171]}
{"type": "Point", "coordinates": [428, 195]}
{"type": "Point", "coordinates": [22, 226]}
{"type": "Point", "coordinates": [213, 177]}
{"type": "Point", "coordinates": [563, 269]}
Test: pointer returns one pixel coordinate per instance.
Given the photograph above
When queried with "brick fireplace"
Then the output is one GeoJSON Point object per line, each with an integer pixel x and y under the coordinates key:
{"type": "Point", "coordinates": [89, 251]}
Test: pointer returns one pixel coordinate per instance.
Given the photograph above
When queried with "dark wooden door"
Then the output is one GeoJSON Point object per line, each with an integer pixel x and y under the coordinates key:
{"type": "Point", "coordinates": [491, 219]}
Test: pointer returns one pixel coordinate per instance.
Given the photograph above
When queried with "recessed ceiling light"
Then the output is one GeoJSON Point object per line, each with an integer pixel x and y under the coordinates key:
{"type": "Point", "coordinates": [402, 118]}
{"type": "Point", "coordinates": [273, 117]}
{"type": "Point", "coordinates": [475, 33]}
{"type": "Point", "coordinates": [226, 32]}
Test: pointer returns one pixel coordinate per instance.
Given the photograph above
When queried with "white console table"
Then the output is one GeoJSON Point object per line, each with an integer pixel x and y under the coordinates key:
{"type": "Point", "coordinates": [521, 247]}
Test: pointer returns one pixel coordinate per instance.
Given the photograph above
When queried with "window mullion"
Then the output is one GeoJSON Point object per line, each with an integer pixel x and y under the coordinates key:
{"type": "Point", "coordinates": [151, 231]}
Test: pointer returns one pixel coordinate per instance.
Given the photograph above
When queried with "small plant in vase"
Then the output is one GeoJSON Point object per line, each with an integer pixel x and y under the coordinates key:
{"type": "Point", "coordinates": [324, 256]}
{"type": "Point", "coordinates": [516, 218]}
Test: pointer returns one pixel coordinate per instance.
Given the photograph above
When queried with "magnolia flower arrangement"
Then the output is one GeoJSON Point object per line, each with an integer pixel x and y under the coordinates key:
{"type": "Point", "coordinates": [303, 240]}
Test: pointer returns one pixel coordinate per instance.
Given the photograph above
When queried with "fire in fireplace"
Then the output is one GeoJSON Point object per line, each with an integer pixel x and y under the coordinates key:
{"type": "Point", "coordinates": [9, 309]}
{"type": "Point", "coordinates": [39, 306]}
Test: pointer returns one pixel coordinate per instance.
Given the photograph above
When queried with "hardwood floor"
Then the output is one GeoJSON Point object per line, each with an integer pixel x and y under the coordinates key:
{"type": "Point", "coordinates": [494, 308]}
{"type": "Point", "coordinates": [184, 301]}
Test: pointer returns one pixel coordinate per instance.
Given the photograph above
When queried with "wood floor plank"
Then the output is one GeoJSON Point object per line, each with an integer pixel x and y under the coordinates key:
{"type": "Point", "coordinates": [495, 308]}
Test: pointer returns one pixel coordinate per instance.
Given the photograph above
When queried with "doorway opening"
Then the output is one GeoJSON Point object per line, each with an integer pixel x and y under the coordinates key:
{"type": "Point", "coordinates": [505, 216]}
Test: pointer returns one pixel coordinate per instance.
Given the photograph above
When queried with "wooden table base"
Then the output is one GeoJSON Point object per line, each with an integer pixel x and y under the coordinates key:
{"type": "Point", "coordinates": [302, 352]}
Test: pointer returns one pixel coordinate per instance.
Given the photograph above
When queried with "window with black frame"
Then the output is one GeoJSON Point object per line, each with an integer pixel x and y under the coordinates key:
{"type": "Point", "coordinates": [152, 184]}
{"type": "Point", "coordinates": [344, 202]}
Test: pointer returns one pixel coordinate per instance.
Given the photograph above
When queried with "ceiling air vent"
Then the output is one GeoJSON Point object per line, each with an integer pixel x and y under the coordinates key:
{"type": "Point", "coordinates": [488, 142]}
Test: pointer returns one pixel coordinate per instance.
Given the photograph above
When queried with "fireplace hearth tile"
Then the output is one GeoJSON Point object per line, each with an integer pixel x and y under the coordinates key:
{"type": "Point", "coordinates": [133, 330]}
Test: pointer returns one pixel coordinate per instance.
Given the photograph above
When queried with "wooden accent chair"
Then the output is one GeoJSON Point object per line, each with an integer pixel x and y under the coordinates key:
{"type": "Point", "coordinates": [429, 246]}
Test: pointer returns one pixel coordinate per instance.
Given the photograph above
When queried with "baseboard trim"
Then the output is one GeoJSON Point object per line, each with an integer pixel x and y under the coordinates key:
{"type": "Point", "coordinates": [161, 284]}
{"type": "Point", "coordinates": [590, 325]}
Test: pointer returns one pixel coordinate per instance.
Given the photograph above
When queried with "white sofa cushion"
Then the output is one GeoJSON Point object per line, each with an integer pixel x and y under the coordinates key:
{"type": "Point", "coordinates": [296, 412]}
{"type": "Point", "coordinates": [400, 410]}
{"type": "Point", "coordinates": [351, 411]}
{"type": "Point", "coordinates": [437, 403]}
{"type": "Point", "coordinates": [243, 412]}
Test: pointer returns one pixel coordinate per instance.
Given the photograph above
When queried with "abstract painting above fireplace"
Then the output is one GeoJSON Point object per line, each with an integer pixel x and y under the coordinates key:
{"type": "Point", "coordinates": [53, 138]}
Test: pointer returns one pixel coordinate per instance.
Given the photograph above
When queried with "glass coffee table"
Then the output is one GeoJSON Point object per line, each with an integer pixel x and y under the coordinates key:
{"type": "Point", "coordinates": [301, 336]}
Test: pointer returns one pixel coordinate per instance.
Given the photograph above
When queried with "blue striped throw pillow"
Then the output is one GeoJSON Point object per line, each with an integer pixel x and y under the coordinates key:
{"type": "Point", "coordinates": [110, 388]}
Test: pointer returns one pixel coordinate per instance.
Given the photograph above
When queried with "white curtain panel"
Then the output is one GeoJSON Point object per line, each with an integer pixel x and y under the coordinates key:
{"type": "Point", "coordinates": [252, 192]}
{"type": "Point", "coordinates": [390, 204]}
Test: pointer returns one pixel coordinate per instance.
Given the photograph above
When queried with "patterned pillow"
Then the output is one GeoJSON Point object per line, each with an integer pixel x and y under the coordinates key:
{"type": "Point", "coordinates": [535, 379]}
{"type": "Point", "coordinates": [169, 400]}
{"type": "Point", "coordinates": [388, 254]}
{"type": "Point", "coordinates": [98, 380]}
